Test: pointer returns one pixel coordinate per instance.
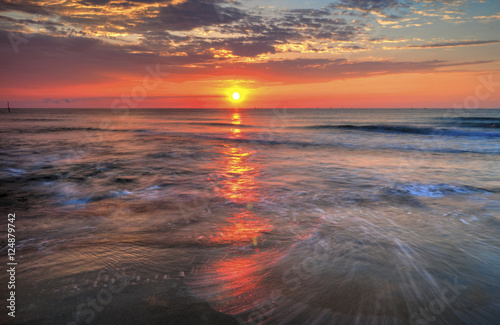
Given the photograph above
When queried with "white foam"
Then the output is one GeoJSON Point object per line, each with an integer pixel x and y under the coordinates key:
{"type": "Point", "coordinates": [437, 190]}
{"type": "Point", "coordinates": [120, 193]}
{"type": "Point", "coordinates": [425, 190]}
{"type": "Point", "coordinates": [16, 172]}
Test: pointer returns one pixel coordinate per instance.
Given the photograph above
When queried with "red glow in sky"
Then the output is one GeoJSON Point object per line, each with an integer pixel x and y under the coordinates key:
{"type": "Point", "coordinates": [198, 53]}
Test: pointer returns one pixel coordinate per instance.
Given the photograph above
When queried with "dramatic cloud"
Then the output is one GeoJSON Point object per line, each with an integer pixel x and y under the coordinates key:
{"type": "Point", "coordinates": [79, 60]}
{"type": "Point", "coordinates": [196, 13]}
{"type": "Point", "coordinates": [101, 42]}
{"type": "Point", "coordinates": [31, 7]}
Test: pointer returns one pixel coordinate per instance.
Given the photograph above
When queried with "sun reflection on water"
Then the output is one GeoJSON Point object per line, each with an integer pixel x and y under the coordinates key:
{"type": "Point", "coordinates": [239, 170]}
{"type": "Point", "coordinates": [233, 283]}
{"type": "Point", "coordinates": [239, 185]}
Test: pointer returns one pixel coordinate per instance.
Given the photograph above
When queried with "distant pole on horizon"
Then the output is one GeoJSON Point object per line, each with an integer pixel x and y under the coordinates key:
{"type": "Point", "coordinates": [8, 106]}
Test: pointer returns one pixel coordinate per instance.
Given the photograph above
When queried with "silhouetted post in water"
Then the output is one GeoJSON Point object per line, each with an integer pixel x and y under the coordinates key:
{"type": "Point", "coordinates": [8, 106]}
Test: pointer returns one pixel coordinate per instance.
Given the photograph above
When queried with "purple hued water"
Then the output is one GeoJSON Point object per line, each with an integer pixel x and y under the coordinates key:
{"type": "Point", "coordinates": [253, 216]}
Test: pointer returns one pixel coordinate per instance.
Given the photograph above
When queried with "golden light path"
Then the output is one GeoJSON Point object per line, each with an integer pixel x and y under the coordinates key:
{"type": "Point", "coordinates": [234, 282]}
{"type": "Point", "coordinates": [240, 186]}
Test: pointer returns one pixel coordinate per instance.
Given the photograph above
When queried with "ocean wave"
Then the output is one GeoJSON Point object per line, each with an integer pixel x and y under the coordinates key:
{"type": "Point", "coordinates": [270, 141]}
{"type": "Point", "coordinates": [436, 190]}
{"type": "Point", "coordinates": [143, 131]}
{"type": "Point", "coordinates": [475, 119]}
{"type": "Point", "coordinates": [223, 124]}
{"type": "Point", "coordinates": [33, 119]}
{"type": "Point", "coordinates": [15, 171]}
{"type": "Point", "coordinates": [51, 130]}
{"type": "Point", "coordinates": [406, 129]}
{"type": "Point", "coordinates": [97, 198]}
{"type": "Point", "coordinates": [484, 125]}
{"type": "Point", "coordinates": [304, 144]}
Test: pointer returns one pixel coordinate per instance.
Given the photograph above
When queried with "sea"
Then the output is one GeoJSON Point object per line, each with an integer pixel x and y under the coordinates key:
{"type": "Point", "coordinates": [250, 216]}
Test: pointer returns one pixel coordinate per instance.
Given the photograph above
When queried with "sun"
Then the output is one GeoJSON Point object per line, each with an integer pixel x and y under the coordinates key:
{"type": "Point", "coordinates": [236, 96]}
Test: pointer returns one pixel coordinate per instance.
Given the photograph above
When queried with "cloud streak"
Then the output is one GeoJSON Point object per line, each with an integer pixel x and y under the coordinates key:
{"type": "Point", "coordinates": [450, 44]}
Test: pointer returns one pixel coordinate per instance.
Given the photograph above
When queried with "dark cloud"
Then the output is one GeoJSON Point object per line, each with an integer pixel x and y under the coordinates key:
{"type": "Point", "coordinates": [369, 5]}
{"type": "Point", "coordinates": [95, 2]}
{"type": "Point", "coordinates": [263, 32]}
{"type": "Point", "coordinates": [191, 14]}
{"type": "Point", "coordinates": [30, 7]}
{"type": "Point", "coordinates": [47, 24]}
{"type": "Point", "coordinates": [294, 26]}
{"type": "Point", "coordinates": [249, 49]}
{"type": "Point", "coordinates": [72, 60]}
{"type": "Point", "coordinates": [383, 5]}
{"type": "Point", "coordinates": [318, 25]}
{"type": "Point", "coordinates": [311, 12]}
{"type": "Point", "coordinates": [124, 3]}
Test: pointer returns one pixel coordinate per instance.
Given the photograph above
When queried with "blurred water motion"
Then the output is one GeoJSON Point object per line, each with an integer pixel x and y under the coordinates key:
{"type": "Point", "coordinates": [227, 216]}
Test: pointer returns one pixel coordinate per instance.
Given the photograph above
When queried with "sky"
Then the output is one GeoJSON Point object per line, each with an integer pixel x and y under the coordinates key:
{"type": "Point", "coordinates": [274, 53]}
